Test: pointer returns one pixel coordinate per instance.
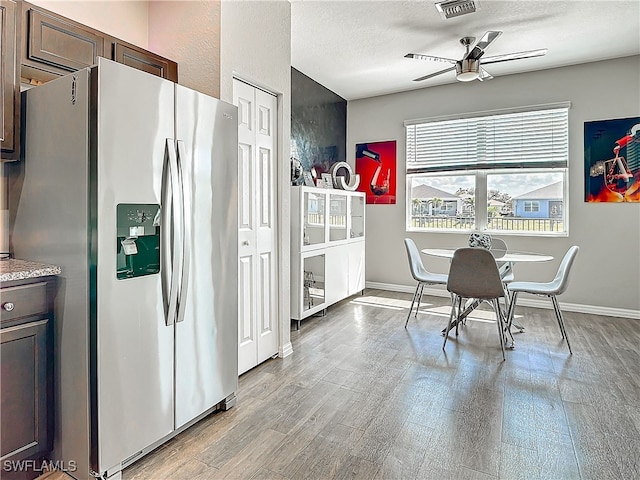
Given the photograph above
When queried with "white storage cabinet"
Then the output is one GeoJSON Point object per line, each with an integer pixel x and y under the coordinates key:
{"type": "Point", "coordinates": [327, 248]}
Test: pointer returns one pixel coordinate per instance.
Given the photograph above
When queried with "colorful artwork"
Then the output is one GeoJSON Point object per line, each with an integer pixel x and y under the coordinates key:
{"type": "Point", "coordinates": [612, 160]}
{"type": "Point", "coordinates": [376, 165]}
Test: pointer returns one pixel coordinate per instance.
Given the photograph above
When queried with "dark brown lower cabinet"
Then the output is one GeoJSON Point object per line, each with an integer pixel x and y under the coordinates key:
{"type": "Point", "coordinates": [25, 383]}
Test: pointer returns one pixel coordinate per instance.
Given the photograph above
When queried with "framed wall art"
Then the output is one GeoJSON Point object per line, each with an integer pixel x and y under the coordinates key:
{"type": "Point", "coordinates": [376, 165]}
{"type": "Point", "coordinates": [612, 160]}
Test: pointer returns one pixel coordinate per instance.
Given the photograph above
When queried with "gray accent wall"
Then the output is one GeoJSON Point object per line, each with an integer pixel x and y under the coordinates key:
{"type": "Point", "coordinates": [606, 272]}
{"type": "Point", "coordinates": [318, 124]}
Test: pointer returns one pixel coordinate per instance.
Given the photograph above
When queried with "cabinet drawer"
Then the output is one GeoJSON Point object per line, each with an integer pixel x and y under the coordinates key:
{"type": "Point", "coordinates": [61, 43]}
{"type": "Point", "coordinates": [23, 301]}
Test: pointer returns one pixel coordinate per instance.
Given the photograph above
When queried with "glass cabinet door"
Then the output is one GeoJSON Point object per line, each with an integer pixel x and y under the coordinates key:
{"type": "Point", "coordinates": [357, 217]}
{"type": "Point", "coordinates": [314, 218]}
{"type": "Point", "coordinates": [337, 217]}
{"type": "Point", "coordinates": [313, 282]}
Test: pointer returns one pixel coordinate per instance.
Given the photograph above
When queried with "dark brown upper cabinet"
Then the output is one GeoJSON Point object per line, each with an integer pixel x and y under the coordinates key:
{"type": "Point", "coordinates": [59, 45]}
{"type": "Point", "coordinates": [54, 45]}
{"type": "Point", "coordinates": [9, 80]}
{"type": "Point", "coordinates": [39, 45]}
{"type": "Point", "coordinates": [144, 60]}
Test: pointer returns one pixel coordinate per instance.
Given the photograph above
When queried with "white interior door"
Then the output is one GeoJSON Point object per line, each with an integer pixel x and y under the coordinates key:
{"type": "Point", "coordinates": [257, 276]}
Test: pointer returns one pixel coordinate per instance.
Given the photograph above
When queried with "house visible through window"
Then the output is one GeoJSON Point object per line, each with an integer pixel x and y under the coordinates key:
{"type": "Point", "coordinates": [501, 171]}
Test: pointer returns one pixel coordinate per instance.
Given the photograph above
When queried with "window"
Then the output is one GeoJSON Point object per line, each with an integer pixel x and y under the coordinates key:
{"type": "Point", "coordinates": [500, 171]}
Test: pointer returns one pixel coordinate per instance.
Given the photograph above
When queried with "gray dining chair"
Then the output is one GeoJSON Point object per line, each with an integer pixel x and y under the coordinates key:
{"type": "Point", "coordinates": [548, 289]}
{"type": "Point", "coordinates": [474, 274]}
{"type": "Point", "coordinates": [420, 275]}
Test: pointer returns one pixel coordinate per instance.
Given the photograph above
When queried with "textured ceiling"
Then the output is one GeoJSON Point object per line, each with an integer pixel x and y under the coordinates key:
{"type": "Point", "coordinates": [356, 48]}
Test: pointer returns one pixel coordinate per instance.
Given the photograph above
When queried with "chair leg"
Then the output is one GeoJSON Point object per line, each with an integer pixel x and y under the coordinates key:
{"type": "Point", "coordinates": [415, 295]}
{"type": "Point", "coordinates": [555, 310]}
{"type": "Point", "coordinates": [560, 319]}
{"type": "Point", "coordinates": [512, 309]}
{"type": "Point", "coordinates": [419, 299]}
{"type": "Point", "coordinates": [454, 299]}
{"type": "Point", "coordinates": [459, 320]}
{"type": "Point", "coordinates": [496, 306]}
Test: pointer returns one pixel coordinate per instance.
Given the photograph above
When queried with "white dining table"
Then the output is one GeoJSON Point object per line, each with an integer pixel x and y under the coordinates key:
{"type": "Point", "coordinates": [506, 258]}
{"type": "Point", "coordinates": [511, 256]}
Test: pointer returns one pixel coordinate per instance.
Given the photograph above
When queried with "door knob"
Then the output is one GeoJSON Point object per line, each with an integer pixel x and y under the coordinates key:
{"type": "Point", "coordinates": [246, 242]}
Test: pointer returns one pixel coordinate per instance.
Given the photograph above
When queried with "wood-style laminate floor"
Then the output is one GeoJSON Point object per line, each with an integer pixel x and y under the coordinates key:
{"type": "Point", "coordinates": [362, 397]}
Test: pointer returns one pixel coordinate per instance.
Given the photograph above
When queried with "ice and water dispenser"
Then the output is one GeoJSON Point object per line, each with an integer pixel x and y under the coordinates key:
{"type": "Point", "coordinates": [138, 242]}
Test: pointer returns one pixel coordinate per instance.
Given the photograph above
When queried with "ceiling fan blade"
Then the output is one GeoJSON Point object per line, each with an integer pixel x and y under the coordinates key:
{"type": "Point", "coordinates": [478, 50]}
{"type": "Point", "coordinates": [420, 56]}
{"type": "Point", "coordinates": [431, 75]}
{"type": "Point", "coordinates": [514, 56]}
{"type": "Point", "coordinates": [484, 75]}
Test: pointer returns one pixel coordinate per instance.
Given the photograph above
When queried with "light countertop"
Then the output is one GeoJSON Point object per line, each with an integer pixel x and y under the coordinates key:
{"type": "Point", "coordinates": [15, 269]}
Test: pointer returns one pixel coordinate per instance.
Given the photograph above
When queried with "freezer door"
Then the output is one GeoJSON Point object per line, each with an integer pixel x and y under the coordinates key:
{"type": "Point", "coordinates": [134, 347]}
{"type": "Point", "coordinates": [207, 335]}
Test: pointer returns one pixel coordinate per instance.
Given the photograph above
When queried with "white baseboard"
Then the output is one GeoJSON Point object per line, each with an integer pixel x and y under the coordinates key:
{"type": "Point", "coordinates": [526, 302]}
{"type": "Point", "coordinates": [285, 350]}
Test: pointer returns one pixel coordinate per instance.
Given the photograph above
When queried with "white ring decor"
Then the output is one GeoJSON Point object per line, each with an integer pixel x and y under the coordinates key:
{"type": "Point", "coordinates": [343, 176]}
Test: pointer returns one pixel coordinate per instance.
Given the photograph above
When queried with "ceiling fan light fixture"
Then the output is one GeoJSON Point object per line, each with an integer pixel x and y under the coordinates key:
{"type": "Point", "coordinates": [456, 8]}
{"type": "Point", "coordinates": [467, 70]}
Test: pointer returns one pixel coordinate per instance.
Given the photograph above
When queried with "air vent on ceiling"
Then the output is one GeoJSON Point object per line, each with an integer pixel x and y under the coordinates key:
{"type": "Point", "coordinates": [455, 8]}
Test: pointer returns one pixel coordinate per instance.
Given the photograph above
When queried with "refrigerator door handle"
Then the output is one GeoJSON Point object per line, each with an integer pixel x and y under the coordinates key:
{"type": "Point", "coordinates": [186, 231]}
{"type": "Point", "coordinates": [169, 241]}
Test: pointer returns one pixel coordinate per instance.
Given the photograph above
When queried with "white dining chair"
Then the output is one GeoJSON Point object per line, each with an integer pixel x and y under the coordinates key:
{"type": "Point", "coordinates": [474, 274]}
{"type": "Point", "coordinates": [548, 289]}
{"type": "Point", "coordinates": [498, 250]}
{"type": "Point", "coordinates": [420, 275]}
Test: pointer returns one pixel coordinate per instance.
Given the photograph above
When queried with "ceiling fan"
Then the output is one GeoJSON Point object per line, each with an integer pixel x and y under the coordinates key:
{"type": "Point", "coordinates": [469, 68]}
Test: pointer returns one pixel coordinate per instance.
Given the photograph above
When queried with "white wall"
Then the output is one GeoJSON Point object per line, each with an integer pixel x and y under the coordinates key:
{"type": "Point", "coordinates": [255, 45]}
{"type": "Point", "coordinates": [607, 269]}
{"type": "Point", "coordinates": [188, 32]}
{"type": "Point", "coordinates": [127, 20]}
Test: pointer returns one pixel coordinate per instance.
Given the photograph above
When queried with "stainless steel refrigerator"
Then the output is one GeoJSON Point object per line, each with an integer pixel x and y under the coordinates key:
{"type": "Point", "coordinates": [129, 183]}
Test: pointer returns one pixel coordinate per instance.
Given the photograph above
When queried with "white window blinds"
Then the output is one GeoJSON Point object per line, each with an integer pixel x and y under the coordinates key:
{"type": "Point", "coordinates": [522, 139]}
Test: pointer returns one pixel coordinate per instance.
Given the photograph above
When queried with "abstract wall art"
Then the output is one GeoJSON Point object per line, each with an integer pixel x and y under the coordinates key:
{"type": "Point", "coordinates": [612, 160]}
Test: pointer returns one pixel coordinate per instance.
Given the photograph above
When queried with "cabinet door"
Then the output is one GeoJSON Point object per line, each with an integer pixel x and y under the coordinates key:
{"type": "Point", "coordinates": [356, 267]}
{"type": "Point", "coordinates": [337, 274]}
{"type": "Point", "coordinates": [146, 61]}
{"type": "Point", "coordinates": [23, 412]}
{"type": "Point", "coordinates": [356, 211]}
{"type": "Point", "coordinates": [10, 83]}
{"type": "Point", "coordinates": [337, 217]}
{"type": "Point", "coordinates": [314, 212]}
{"type": "Point", "coordinates": [59, 45]}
